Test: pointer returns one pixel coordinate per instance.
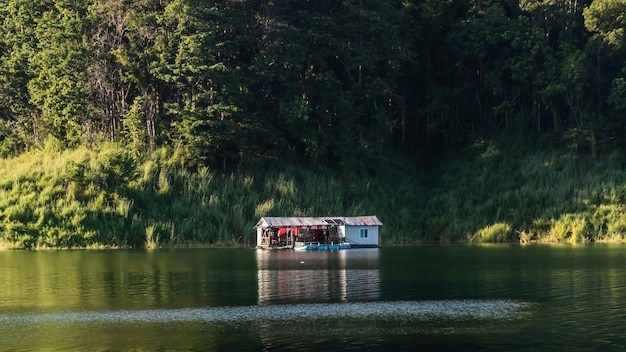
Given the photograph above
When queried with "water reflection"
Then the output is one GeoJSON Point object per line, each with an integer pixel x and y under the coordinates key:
{"type": "Point", "coordinates": [289, 277]}
{"type": "Point", "coordinates": [125, 280]}
{"type": "Point", "coordinates": [404, 298]}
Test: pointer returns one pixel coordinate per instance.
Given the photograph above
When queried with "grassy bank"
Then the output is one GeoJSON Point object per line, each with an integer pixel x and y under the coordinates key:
{"type": "Point", "coordinates": [561, 194]}
{"type": "Point", "coordinates": [105, 199]}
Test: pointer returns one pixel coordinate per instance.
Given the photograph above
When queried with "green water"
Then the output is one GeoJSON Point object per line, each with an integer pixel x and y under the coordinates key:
{"type": "Point", "coordinates": [493, 298]}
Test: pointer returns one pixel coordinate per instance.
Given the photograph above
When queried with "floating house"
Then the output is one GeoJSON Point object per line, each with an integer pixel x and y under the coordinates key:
{"type": "Point", "coordinates": [294, 232]}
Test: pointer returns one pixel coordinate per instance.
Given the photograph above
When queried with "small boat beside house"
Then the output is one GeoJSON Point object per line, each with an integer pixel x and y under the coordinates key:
{"type": "Point", "coordinates": [317, 233]}
{"type": "Point", "coordinates": [306, 246]}
{"type": "Point", "coordinates": [316, 246]}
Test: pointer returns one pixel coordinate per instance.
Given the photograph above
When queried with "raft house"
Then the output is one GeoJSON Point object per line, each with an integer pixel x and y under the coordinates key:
{"type": "Point", "coordinates": [318, 233]}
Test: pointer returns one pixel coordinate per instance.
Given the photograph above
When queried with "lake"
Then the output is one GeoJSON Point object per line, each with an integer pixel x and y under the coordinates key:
{"type": "Point", "coordinates": [447, 298]}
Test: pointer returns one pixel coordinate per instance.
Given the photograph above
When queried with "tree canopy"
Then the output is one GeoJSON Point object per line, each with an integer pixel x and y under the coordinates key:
{"type": "Point", "coordinates": [230, 83]}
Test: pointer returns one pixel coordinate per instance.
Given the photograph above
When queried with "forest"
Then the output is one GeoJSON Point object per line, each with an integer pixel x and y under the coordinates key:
{"type": "Point", "coordinates": [179, 122]}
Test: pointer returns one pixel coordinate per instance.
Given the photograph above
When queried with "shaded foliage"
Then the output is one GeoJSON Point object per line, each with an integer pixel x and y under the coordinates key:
{"type": "Point", "coordinates": [231, 84]}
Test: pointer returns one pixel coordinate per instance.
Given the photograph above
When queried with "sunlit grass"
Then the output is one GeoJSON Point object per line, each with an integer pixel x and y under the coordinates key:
{"type": "Point", "coordinates": [551, 195]}
{"type": "Point", "coordinates": [104, 198]}
{"type": "Point", "coordinates": [498, 232]}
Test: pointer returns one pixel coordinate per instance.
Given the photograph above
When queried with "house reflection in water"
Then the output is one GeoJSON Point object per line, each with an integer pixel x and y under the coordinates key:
{"type": "Point", "coordinates": [293, 277]}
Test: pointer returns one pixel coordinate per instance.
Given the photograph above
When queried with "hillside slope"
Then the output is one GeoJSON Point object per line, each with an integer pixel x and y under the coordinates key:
{"type": "Point", "coordinates": [103, 198]}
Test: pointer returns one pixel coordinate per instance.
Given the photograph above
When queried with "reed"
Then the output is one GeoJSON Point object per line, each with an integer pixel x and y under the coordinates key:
{"type": "Point", "coordinates": [152, 240]}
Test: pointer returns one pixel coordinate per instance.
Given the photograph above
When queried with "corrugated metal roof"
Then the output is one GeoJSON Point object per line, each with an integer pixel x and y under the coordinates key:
{"type": "Point", "coordinates": [370, 220]}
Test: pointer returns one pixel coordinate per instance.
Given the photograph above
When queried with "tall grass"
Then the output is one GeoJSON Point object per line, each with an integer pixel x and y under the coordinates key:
{"type": "Point", "coordinates": [104, 198]}
{"type": "Point", "coordinates": [548, 195]}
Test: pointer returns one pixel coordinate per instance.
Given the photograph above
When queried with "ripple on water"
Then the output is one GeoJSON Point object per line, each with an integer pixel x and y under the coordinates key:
{"type": "Point", "coordinates": [419, 310]}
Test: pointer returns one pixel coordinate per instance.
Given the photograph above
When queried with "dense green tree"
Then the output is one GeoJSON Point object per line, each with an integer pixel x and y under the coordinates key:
{"type": "Point", "coordinates": [59, 68]}
{"type": "Point", "coordinates": [228, 83]}
{"type": "Point", "coordinates": [371, 52]}
{"type": "Point", "coordinates": [199, 64]}
{"type": "Point", "coordinates": [137, 55]}
{"type": "Point", "coordinates": [108, 90]}
{"type": "Point", "coordinates": [606, 21]}
{"type": "Point", "coordinates": [18, 126]}
{"type": "Point", "coordinates": [326, 75]}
